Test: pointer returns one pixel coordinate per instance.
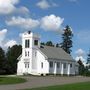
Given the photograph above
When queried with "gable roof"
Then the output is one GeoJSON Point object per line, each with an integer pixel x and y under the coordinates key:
{"type": "Point", "coordinates": [55, 53]}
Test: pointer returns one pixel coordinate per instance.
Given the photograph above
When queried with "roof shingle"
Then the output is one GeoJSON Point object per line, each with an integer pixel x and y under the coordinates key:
{"type": "Point", "coordinates": [55, 53]}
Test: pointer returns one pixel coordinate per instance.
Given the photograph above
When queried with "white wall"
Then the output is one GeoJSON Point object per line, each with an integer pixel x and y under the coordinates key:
{"type": "Point", "coordinates": [41, 59]}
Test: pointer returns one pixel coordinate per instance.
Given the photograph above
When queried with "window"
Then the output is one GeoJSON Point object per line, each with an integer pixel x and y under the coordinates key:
{"type": "Point", "coordinates": [64, 65]}
{"type": "Point", "coordinates": [58, 64]}
{"type": "Point", "coordinates": [28, 53]}
{"type": "Point", "coordinates": [26, 64]}
{"type": "Point", "coordinates": [71, 65]}
{"type": "Point", "coordinates": [51, 64]}
{"type": "Point", "coordinates": [25, 53]}
{"type": "Point", "coordinates": [35, 42]}
{"type": "Point", "coordinates": [27, 43]}
{"type": "Point", "coordinates": [42, 65]}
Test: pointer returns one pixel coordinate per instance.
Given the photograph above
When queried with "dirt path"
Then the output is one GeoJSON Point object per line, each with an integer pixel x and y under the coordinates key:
{"type": "Point", "coordinates": [44, 81]}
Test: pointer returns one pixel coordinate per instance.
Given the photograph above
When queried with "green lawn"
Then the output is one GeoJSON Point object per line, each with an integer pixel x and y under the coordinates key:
{"type": "Point", "coordinates": [11, 80]}
{"type": "Point", "coordinates": [77, 86]}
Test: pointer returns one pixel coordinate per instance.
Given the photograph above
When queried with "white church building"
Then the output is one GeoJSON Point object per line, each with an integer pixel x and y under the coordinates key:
{"type": "Point", "coordinates": [43, 60]}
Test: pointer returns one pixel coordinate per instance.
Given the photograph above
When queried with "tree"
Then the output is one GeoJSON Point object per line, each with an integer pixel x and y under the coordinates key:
{"type": "Point", "coordinates": [12, 54]}
{"type": "Point", "coordinates": [2, 61]}
{"type": "Point", "coordinates": [49, 43]}
{"type": "Point", "coordinates": [81, 67]}
{"type": "Point", "coordinates": [67, 39]}
{"type": "Point", "coordinates": [88, 58]}
{"type": "Point", "coordinates": [42, 43]}
{"type": "Point", "coordinates": [58, 45]}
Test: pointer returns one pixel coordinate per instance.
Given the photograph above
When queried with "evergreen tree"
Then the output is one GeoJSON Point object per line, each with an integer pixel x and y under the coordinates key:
{"type": "Point", "coordinates": [2, 61]}
{"type": "Point", "coordinates": [67, 39]}
{"type": "Point", "coordinates": [12, 54]}
{"type": "Point", "coordinates": [81, 68]}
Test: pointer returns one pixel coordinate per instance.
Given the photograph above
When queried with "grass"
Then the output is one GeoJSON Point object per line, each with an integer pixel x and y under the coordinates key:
{"type": "Point", "coordinates": [11, 80]}
{"type": "Point", "coordinates": [76, 86]}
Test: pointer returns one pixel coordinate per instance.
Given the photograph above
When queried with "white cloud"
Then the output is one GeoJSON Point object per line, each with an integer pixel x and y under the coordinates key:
{"type": "Point", "coordinates": [3, 40]}
{"type": "Point", "coordinates": [48, 23]}
{"type": "Point", "coordinates": [26, 23]}
{"type": "Point", "coordinates": [51, 22]}
{"type": "Point", "coordinates": [8, 6]}
{"type": "Point", "coordinates": [2, 36]}
{"type": "Point", "coordinates": [80, 52]}
{"type": "Point", "coordinates": [10, 43]}
{"type": "Point", "coordinates": [80, 56]}
{"type": "Point", "coordinates": [44, 4]}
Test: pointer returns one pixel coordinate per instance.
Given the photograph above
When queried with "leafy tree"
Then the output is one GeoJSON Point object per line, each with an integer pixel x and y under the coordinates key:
{"type": "Point", "coordinates": [49, 43]}
{"type": "Point", "coordinates": [67, 39]}
{"type": "Point", "coordinates": [2, 61]}
{"type": "Point", "coordinates": [12, 54]}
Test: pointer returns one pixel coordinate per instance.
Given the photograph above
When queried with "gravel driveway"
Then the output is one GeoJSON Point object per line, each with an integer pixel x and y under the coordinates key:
{"type": "Point", "coordinates": [33, 81]}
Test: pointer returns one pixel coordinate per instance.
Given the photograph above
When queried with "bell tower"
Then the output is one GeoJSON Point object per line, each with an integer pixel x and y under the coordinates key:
{"type": "Point", "coordinates": [30, 44]}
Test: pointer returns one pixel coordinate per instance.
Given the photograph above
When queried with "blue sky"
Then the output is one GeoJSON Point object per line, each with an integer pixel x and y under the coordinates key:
{"type": "Point", "coordinates": [18, 16]}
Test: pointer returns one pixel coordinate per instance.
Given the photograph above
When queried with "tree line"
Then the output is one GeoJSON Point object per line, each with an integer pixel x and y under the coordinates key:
{"type": "Point", "coordinates": [8, 60]}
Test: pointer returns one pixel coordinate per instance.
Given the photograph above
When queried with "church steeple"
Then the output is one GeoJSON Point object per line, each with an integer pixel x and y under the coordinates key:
{"type": "Point", "coordinates": [30, 40]}
{"type": "Point", "coordinates": [30, 43]}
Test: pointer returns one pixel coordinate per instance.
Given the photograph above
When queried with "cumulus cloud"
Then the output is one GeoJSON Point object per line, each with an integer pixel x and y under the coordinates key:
{"type": "Point", "coordinates": [51, 22]}
{"type": "Point", "coordinates": [3, 40]}
{"type": "Point", "coordinates": [10, 43]}
{"type": "Point", "coordinates": [2, 36]}
{"type": "Point", "coordinates": [47, 23]}
{"type": "Point", "coordinates": [44, 4]}
{"type": "Point", "coordinates": [80, 56]}
{"type": "Point", "coordinates": [26, 23]}
{"type": "Point", "coordinates": [8, 6]}
{"type": "Point", "coordinates": [80, 52]}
